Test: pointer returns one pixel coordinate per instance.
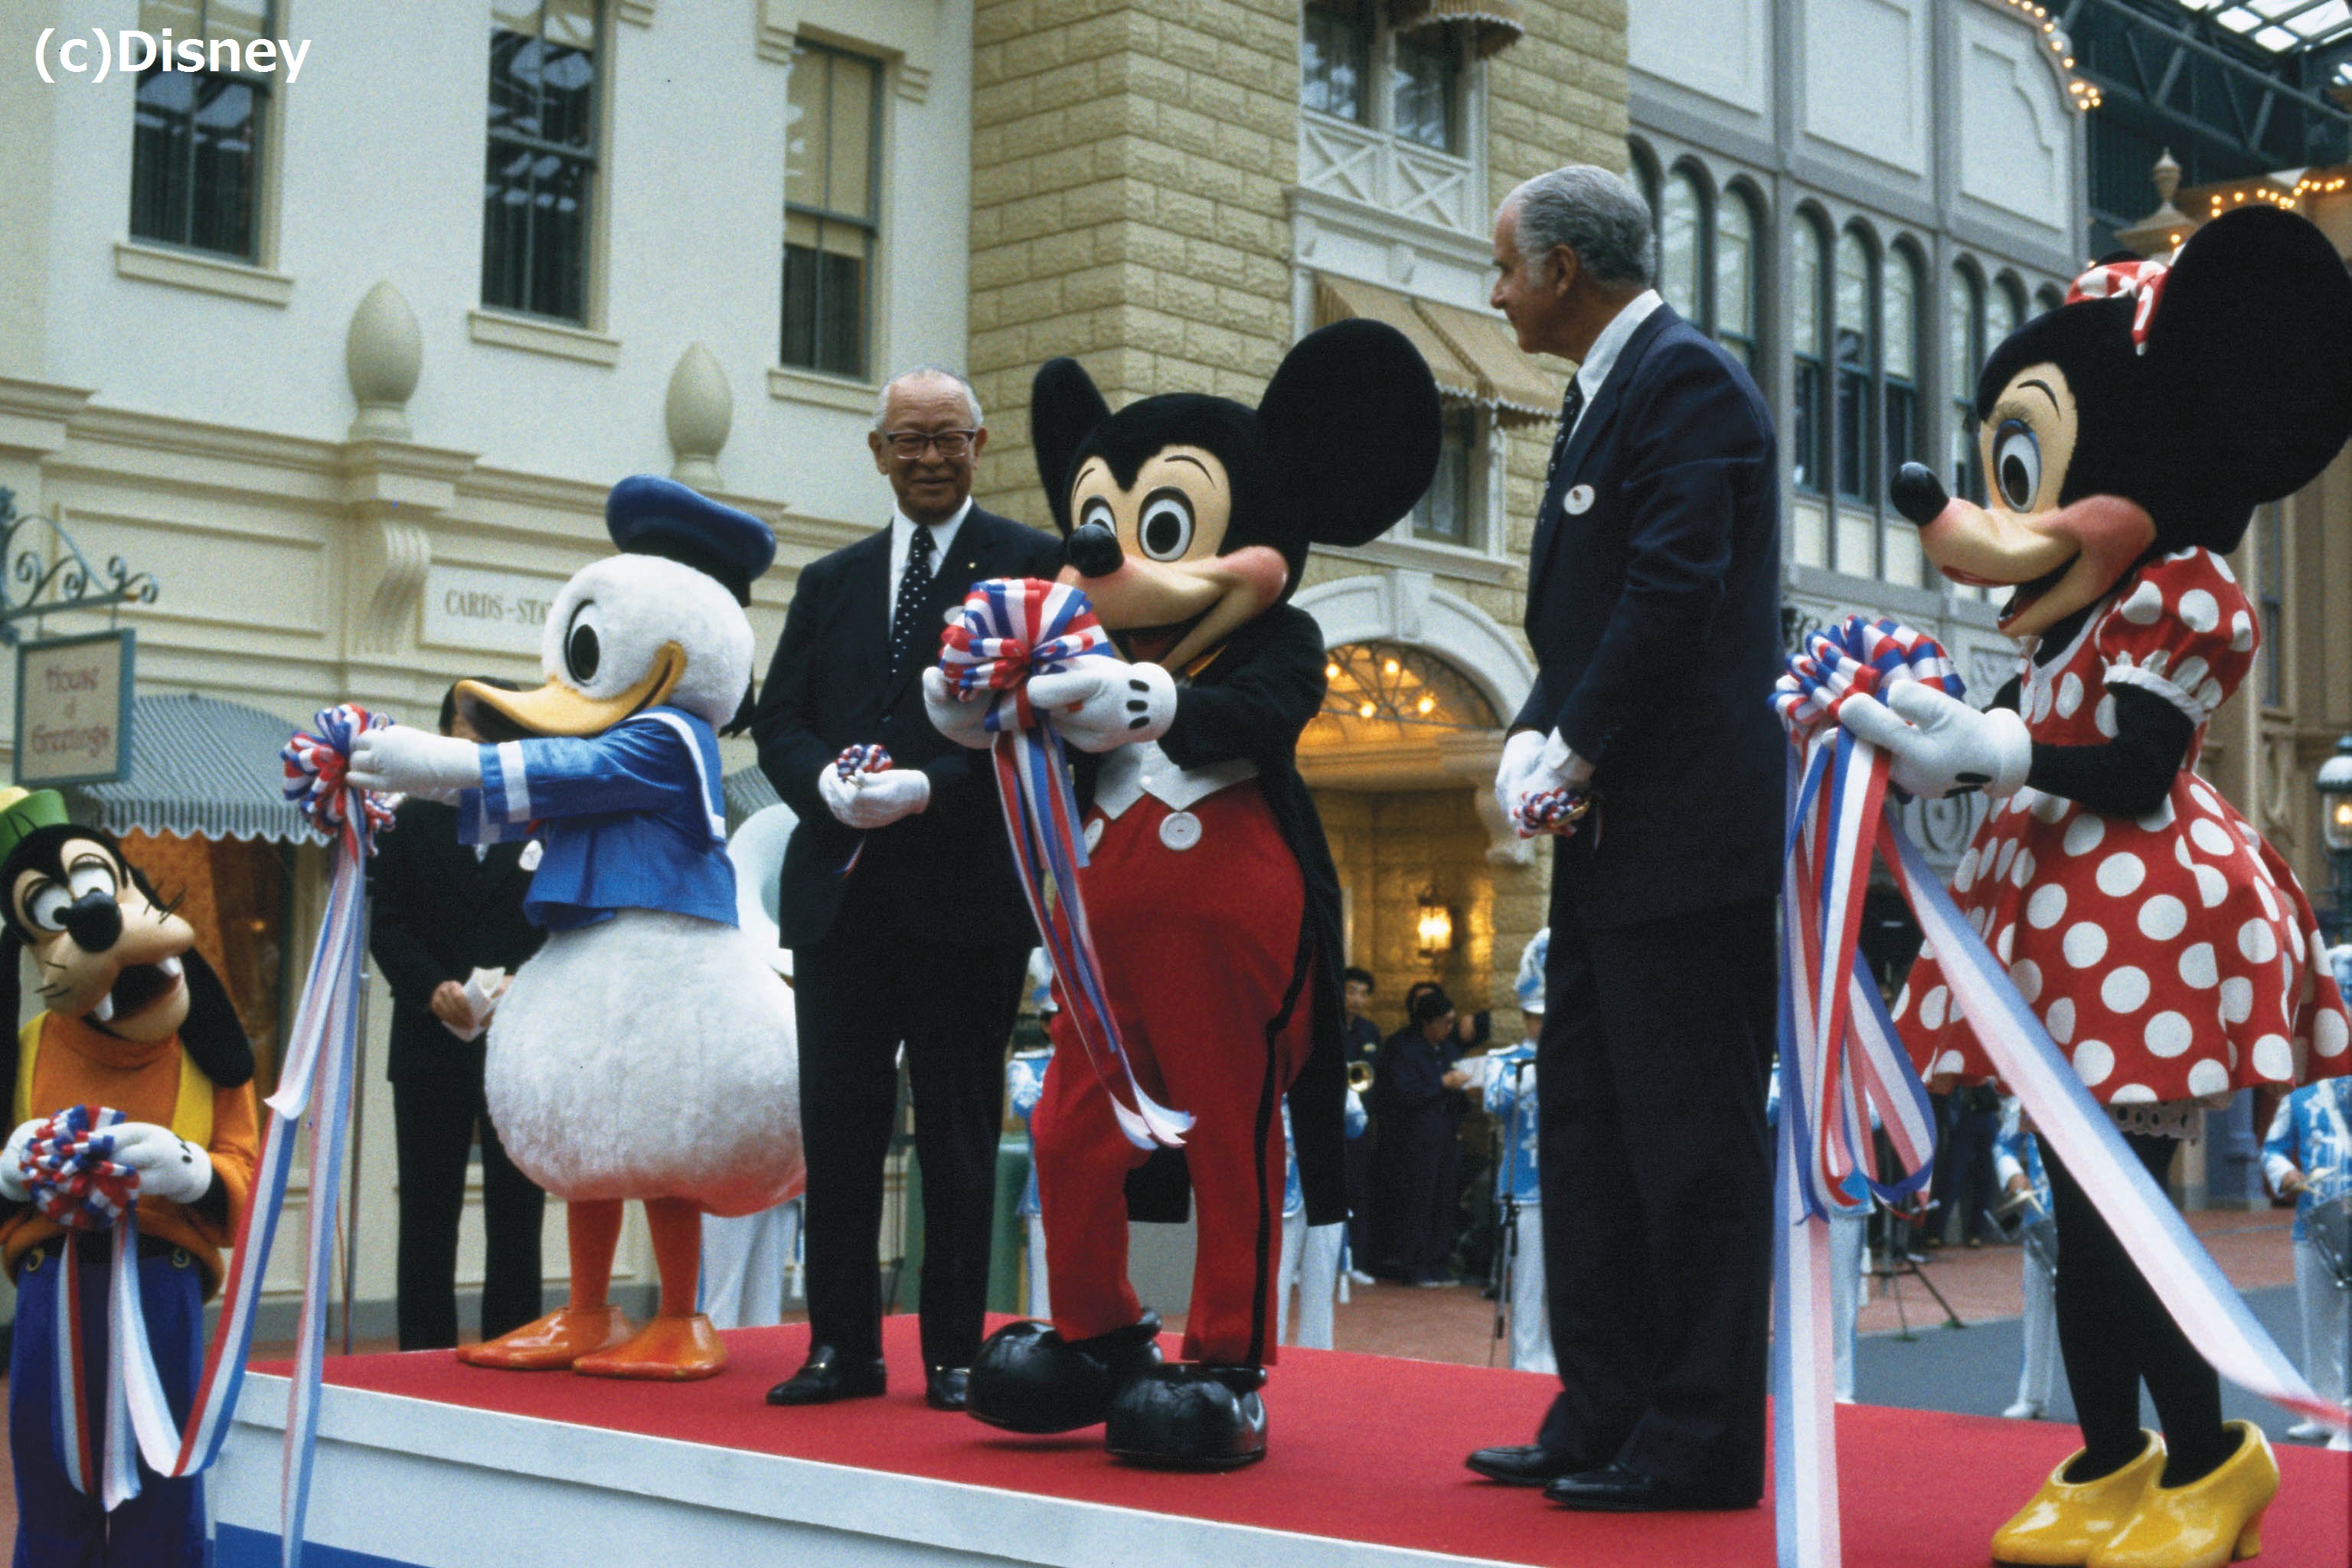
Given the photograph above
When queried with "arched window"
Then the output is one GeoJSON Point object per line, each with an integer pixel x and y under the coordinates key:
{"type": "Point", "coordinates": [2004, 312]}
{"type": "Point", "coordinates": [1642, 168]}
{"type": "Point", "coordinates": [1899, 329]}
{"type": "Point", "coordinates": [1682, 245]}
{"type": "Point", "coordinates": [1808, 323]}
{"type": "Point", "coordinates": [1963, 356]}
{"type": "Point", "coordinates": [1734, 276]}
{"type": "Point", "coordinates": [1857, 469]}
{"type": "Point", "coordinates": [2048, 298]}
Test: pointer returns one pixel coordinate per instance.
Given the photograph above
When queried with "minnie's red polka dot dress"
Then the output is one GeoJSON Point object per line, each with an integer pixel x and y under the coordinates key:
{"type": "Point", "coordinates": [2173, 955]}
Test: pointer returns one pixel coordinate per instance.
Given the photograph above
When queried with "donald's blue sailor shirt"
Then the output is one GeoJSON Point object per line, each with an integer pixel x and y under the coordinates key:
{"type": "Point", "coordinates": [630, 819]}
{"type": "Point", "coordinates": [2313, 1132]}
{"type": "Point", "coordinates": [1508, 1090]}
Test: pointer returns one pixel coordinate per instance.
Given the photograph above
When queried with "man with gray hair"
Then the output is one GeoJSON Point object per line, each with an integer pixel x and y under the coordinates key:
{"type": "Point", "coordinates": [1653, 607]}
{"type": "Point", "coordinates": [898, 898]}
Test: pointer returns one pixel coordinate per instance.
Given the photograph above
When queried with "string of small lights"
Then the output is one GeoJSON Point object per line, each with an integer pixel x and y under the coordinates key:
{"type": "Point", "coordinates": [2084, 96]}
{"type": "Point", "coordinates": [2314, 183]}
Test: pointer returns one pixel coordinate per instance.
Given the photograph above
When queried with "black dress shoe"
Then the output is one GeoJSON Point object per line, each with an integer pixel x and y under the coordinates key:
{"type": "Point", "coordinates": [1524, 1464]}
{"type": "Point", "coordinates": [1620, 1488]}
{"type": "Point", "coordinates": [944, 1386]}
{"type": "Point", "coordinates": [1188, 1417]}
{"type": "Point", "coordinates": [829, 1376]}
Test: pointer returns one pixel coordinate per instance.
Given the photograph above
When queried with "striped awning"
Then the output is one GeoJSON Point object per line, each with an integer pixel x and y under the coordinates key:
{"type": "Point", "coordinates": [200, 768]}
{"type": "Point", "coordinates": [1475, 357]}
{"type": "Point", "coordinates": [1493, 25]}
{"type": "Point", "coordinates": [748, 793]}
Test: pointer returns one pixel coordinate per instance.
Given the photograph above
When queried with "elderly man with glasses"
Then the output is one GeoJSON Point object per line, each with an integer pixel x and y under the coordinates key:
{"type": "Point", "coordinates": [898, 899]}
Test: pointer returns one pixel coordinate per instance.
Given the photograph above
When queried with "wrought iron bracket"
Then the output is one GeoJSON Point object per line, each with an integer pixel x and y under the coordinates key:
{"type": "Point", "coordinates": [39, 582]}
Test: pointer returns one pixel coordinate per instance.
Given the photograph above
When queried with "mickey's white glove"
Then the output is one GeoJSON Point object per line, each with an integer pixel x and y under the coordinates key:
{"type": "Point", "coordinates": [415, 761]}
{"type": "Point", "coordinates": [169, 1166]}
{"type": "Point", "coordinates": [867, 801]}
{"type": "Point", "coordinates": [1100, 705]}
{"type": "Point", "coordinates": [1522, 755]}
{"type": "Point", "coordinates": [11, 1161]}
{"type": "Point", "coordinates": [964, 723]}
{"type": "Point", "coordinates": [1941, 745]}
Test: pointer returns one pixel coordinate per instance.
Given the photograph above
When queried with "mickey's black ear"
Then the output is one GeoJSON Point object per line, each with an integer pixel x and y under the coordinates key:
{"type": "Point", "coordinates": [1350, 425]}
{"type": "Point", "coordinates": [1064, 410]}
{"type": "Point", "coordinates": [2250, 338]}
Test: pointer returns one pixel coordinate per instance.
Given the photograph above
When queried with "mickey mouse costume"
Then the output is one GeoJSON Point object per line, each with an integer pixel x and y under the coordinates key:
{"type": "Point", "coordinates": [2166, 947]}
{"type": "Point", "coordinates": [1209, 891]}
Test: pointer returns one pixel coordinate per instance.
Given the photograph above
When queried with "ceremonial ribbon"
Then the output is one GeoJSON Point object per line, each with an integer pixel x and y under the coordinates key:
{"type": "Point", "coordinates": [317, 1071]}
{"type": "Point", "coordinates": [1840, 1056]}
{"type": "Point", "coordinates": [1009, 630]}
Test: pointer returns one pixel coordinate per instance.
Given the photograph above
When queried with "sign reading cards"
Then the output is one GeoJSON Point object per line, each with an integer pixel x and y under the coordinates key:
{"type": "Point", "coordinates": [495, 612]}
{"type": "Point", "coordinates": [73, 708]}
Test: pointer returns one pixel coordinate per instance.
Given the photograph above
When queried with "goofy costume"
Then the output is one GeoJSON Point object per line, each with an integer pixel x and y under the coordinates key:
{"type": "Point", "coordinates": [137, 1023]}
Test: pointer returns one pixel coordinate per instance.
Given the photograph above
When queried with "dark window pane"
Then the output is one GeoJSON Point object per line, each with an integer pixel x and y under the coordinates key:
{"type": "Point", "coordinates": [1444, 513]}
{"type": "Point", "coordinates": [1425, 75]}
{"type": "Point", "coordinates": [539, 175]}
{"type": "Point", "coordinates": [1902, 425]}
{"type": "Point", "coordinates": [1854, 463]}
{"type": "Point", "coordinates": [1806, 448]}
{"type": "Point", "coordinates": [831, 153]}
{"type": "Point", "coordinates": [1335, 58]}
{"type": "Point", "coordinates": [194, 160]}
{"type": "Point", "coordinates": [1968, 462]}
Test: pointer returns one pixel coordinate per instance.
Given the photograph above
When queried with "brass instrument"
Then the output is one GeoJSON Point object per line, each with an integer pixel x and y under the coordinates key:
{"type": "Point", "coordinates": [1359, 1077]}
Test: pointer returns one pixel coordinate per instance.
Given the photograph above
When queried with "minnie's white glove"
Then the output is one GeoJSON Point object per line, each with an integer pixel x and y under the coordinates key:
{"type": "Point", "coordinates": [11, 1159]}
{"type": "Point", "coordinates": [963, 721]}
{"type": "Point", "coordinates": [415, 761]}
{"type": "Point", "coordinates": [1942, 746]}
{"type": "Point", "coordinates": [868, 801]}
{"type": "Point", "coordinates": [1099, 703]}
{"type": "Point", "coordinates": [169, 1166]}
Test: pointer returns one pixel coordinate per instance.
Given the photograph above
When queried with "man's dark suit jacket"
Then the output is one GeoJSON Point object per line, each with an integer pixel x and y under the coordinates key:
{"type": "Point", "coordinates": [440, 914]}
{"type": "Point", "coordinates": [947, 871]}
{"type": "Point", "coordinates": [1654, 615]}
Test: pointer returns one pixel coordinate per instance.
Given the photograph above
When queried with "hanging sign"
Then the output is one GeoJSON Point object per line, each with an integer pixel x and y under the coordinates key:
{"type": "Point", "coordinates": [73, 708]}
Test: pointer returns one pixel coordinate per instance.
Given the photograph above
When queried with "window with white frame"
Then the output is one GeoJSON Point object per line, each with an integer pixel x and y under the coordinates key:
{"type": "Point", "coordinates": [1706, 252]}
{"type": "Point", "coordinates": [540, 172]}
{"type": "Point", "coordinates": [1809, 321]}
{"type": "Point", "coordinates": [832, 199]}
{"type": "Point", "coordinates": [1857, 448]}
{"type": "Point", "coordinates": [1900, 335]}
{"type": "Point", "coordinates": [1389, 119]}
{"type": "Point", "coordinates": [1964, 353]}
{"type": "Point", "coordinates": [197, 134]}
{"type": "Point", "coordinates": [1734, 302]}
{"type": "Point", "coordinates": [1450, 511]}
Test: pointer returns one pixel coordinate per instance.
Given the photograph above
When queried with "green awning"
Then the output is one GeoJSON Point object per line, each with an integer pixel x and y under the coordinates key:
{"type": "Point", "coordinates": [200, 768]}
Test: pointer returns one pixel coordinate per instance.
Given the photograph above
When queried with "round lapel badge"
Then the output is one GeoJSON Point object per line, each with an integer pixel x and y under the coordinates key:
{"type": "Point", "coordinates": [1094, 835]}
{"type": "Point", "coordinates": [1180, 830]}
{"type": "Point", "coordinates": [1579, 501]}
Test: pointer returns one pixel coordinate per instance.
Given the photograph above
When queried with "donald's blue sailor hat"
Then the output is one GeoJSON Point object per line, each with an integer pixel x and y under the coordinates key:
{"type": "Point", "coordinates": [649, 515]}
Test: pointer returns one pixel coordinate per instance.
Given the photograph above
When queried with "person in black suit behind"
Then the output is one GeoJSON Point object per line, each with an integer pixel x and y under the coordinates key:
{"type": "Point", "coordinates": [442, 911]}
{"type": "Point", "coordinates": [898, 897]}
{"type": "Point", "coordinates": [1653, 607]}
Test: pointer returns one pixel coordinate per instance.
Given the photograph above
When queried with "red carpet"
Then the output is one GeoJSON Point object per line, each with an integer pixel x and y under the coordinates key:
{"type": "Point", "coordinates": [1366, 1448]}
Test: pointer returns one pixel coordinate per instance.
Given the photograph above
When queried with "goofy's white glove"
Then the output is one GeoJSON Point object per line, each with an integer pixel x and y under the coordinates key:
{"type": "Point", "coordinates": [963, 721]}
{"type": "Point", "coordinates": [169, 1166]}
{"type": "Point", "coordinates": [1099, 703]}
{"type": "Point", "coordinates": [11, 1159]}
{"type": "Point", "coordinates": [415, 761]}
{"type": "Point", "coordinates": [1941, 746]}
{"type": "Point", "coordinates": [868, 801]}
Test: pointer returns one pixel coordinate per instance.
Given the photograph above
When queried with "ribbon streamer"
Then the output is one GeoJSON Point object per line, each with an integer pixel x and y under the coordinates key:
{"type": "Point", "coordinates": [1841, 1056]}
{"type": "Point", "coordinates": [1009, 630]}
{"type": "Point", "coordinates": [317, 1071]}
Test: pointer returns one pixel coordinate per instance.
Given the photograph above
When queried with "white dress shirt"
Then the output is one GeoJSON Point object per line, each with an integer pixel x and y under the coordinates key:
{"type": "Point", "coordinates": [1593, 373]}
{"type": "Point", "coordinates": [902, 543]}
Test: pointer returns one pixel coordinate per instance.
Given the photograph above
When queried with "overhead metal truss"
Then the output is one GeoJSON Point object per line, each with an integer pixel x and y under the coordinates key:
{"type": "Point", "coordinates": [2200, 88]}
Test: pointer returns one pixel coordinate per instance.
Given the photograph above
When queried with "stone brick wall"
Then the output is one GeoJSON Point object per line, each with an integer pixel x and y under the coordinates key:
{"type": "Point", "coordinates": [1130, 160]}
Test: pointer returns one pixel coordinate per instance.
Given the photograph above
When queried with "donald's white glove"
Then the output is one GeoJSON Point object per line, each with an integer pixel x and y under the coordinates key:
{"type": "Point", "coordinates": [169, 1166]}
{"type": "Point", "coordinates": [963, 721]}
{"type": "Point", "coordinates": [1942, 746]}
{"type": "Point", "coordinates": [868, 801]}
{"type": "Point", "coordinates": [415, 761]}
{"type": "Point", "coordinates": [1100, 705]}
{"type": "Point", "coordinates": [11, 1159]}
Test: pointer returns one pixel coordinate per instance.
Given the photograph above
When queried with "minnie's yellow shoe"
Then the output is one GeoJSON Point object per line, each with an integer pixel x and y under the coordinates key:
{"type": "Point", "coordinates": [2206, 1523]}
{"type": "Point", "coordinates": [2067, 1521]}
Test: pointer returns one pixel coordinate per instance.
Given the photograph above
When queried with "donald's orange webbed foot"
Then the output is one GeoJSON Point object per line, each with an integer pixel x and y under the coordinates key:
{"type": "Point", "coordinates": [668, 1350]}
{"type": "Point", "coordinates": [553, 1342]}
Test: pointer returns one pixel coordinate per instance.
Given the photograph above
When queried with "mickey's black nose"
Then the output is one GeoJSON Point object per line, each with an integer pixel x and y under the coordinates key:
{"type": "Point", "coordinates": [1094, 549]}
{"type": "Point", "coordinates": [1919, 494]}
{"type": "Point", "coordinates": [95, 922]}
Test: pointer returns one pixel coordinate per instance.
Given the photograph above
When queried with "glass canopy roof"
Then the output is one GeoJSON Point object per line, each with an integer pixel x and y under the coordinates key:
{"type": "Point", "coordinates": [2281, 25]}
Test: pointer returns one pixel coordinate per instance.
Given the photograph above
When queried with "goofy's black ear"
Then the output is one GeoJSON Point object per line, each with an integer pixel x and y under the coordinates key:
{"type": "Point", "coordinates": [12, 996]}
{"type": "Point", "coordinates": [1064, 410]}
{"type": "Point", "coordinates": [1350, 425]}
{"type": "Point", "coordinates": [214, 1035]}
{"type": "Point", "coordinates": [2249, 340]}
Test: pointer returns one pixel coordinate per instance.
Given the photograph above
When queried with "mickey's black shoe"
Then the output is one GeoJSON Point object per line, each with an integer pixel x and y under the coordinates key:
{"type": "Point", "coordinates": [1190, 1418]}
{"type": "Point", "coordinates": [1027, 1378]}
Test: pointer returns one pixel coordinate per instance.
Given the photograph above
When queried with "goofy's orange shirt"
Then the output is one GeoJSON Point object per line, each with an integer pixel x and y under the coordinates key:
{"type": "Point", "coordinates": [63, 1062]}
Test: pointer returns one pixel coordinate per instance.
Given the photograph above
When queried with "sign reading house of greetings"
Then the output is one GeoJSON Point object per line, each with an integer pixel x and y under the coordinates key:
{"type": "Point", "coordinates": [73, 708]}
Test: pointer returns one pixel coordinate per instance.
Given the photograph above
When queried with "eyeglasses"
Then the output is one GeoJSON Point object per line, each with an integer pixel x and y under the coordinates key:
{"type": "Point", "coordinates": [910, 444]}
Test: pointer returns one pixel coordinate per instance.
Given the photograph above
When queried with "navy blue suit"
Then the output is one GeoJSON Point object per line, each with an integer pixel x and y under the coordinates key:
{"type": "Point", "coordinates": [1653, 609]}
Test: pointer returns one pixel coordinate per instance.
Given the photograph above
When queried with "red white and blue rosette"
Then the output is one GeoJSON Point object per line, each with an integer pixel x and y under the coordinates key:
{"type": "Point", "coordinates": [70, 1173]}
{"type": "Point", "coordinates": [1842, 1061]}
{"type": "Point", "coordinates": [315, 767]}
{"type": "Point", "coordinates": [1009, 630]}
